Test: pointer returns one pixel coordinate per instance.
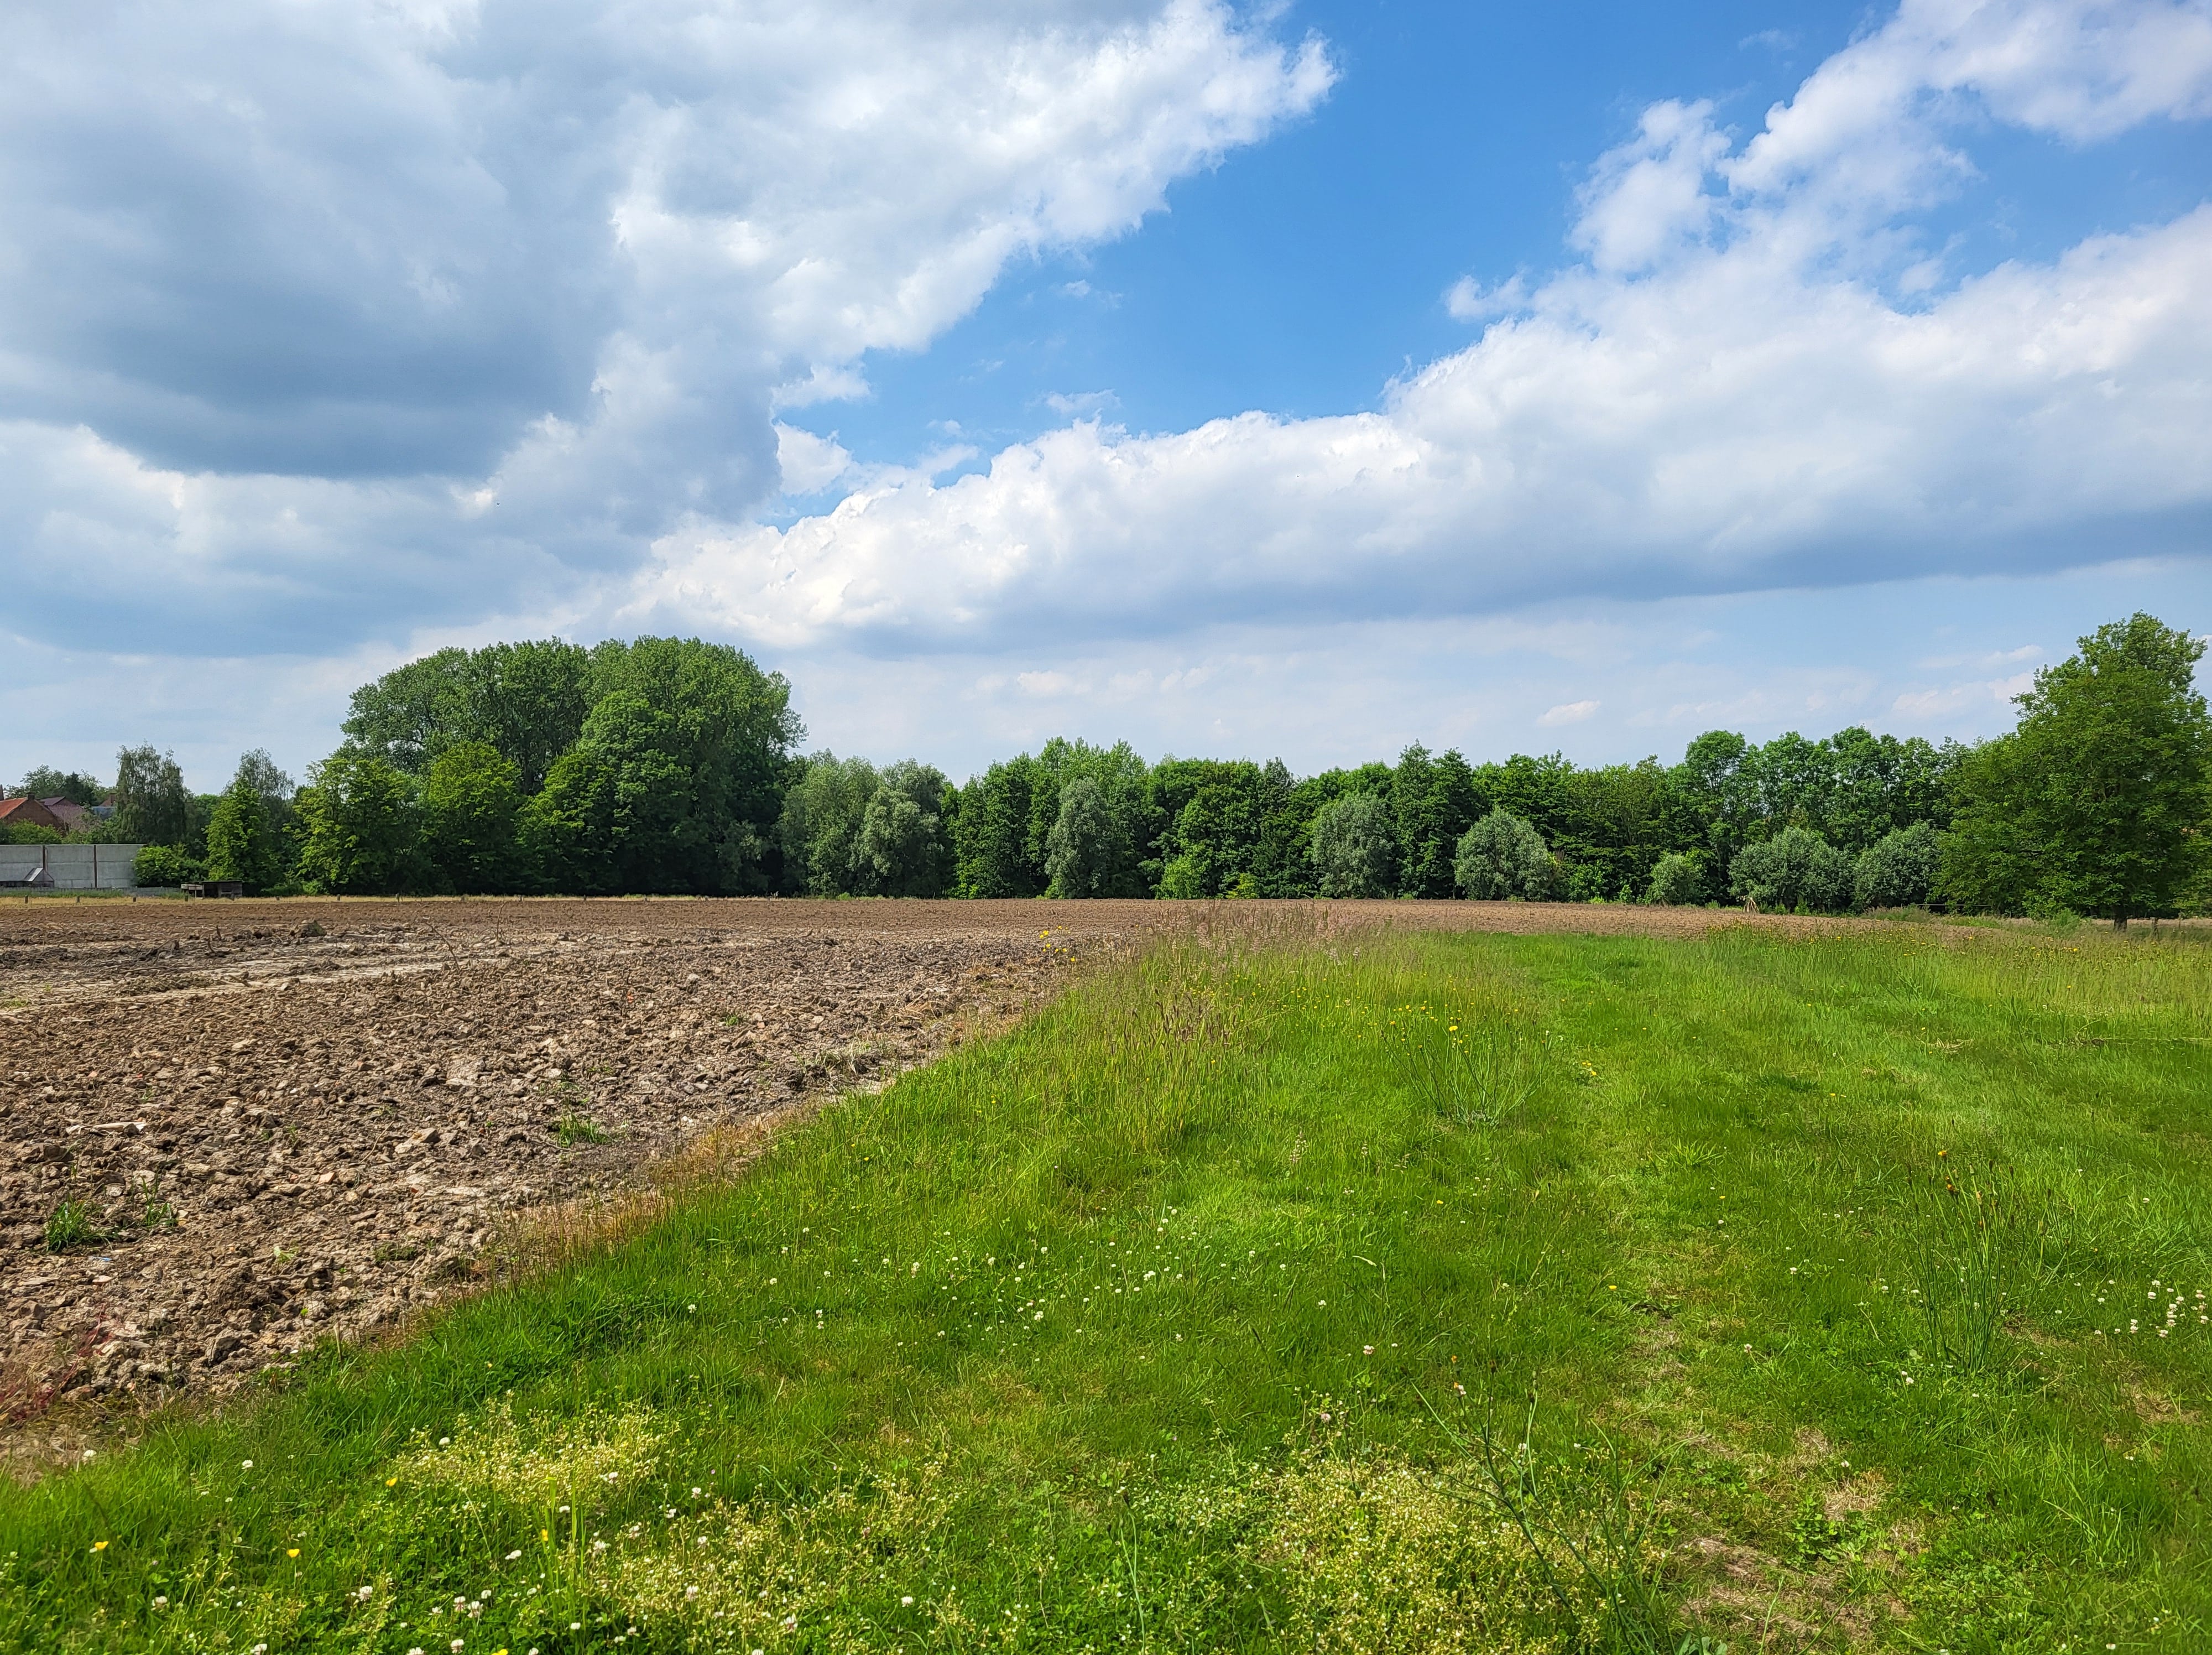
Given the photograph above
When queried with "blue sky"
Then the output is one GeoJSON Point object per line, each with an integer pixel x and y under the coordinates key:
{"type": "Point", "coordinates": [1300, 382]}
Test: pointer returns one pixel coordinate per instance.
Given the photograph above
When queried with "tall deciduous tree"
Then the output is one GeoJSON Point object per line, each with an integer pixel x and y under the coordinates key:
{"type": "Point", "coordinates": [528, 700]}
{"type": "Point", "coordinates": [1504, 856]}
{"type": "Point", "coordinates": [249, 834]}
{"type": "Point", "coordinates": [2097, 801]}
{"type": "Point", "coordinates": [360, 827]}
{"type": "Point", "coordinates": [471, 806]}
{"type": "Point", "coordinates": [1355, 850]}
{"type": "Point", "coordinates": [151, 804]}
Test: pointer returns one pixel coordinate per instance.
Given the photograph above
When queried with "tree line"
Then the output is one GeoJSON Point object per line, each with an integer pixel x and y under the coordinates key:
{"type": "Point", "coordinates": [670, 766]}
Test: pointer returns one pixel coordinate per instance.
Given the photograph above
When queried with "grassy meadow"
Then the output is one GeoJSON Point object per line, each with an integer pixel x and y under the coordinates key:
{"type": "Point", "coordinates": [1362, 1292]}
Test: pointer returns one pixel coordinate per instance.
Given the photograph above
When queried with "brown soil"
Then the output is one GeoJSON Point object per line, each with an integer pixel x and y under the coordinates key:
{"type": "Point", "coordinates": [289, 1121]}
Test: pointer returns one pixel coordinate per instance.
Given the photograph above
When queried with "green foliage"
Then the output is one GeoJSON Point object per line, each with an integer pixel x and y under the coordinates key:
{"type": "Point", "coordinates": [249, 834]}
{"type": "Point", "coordinates": [527, 701]}
{"type": "Point", "coordinates": [1677, 880]}
{"type": "Point", "coordinates": [1795, 869]}
{"type": "Point", "coordinates": [2098, 802]}
{"type": "Point", "coordinates": [151, 804]}
{"type": "Point", "coordinates": [991, 832]}
{"type": "Point", "coordinates": [160, 865]}
{"type": "Point", "coordinates": [901, 849]}
{"type": "Point", "coordinates": [1355, 851]}
{"type": "Point", "coordinates": [1215, 817]}
{"type": "Point", "coordinates": [850, 830]}
{"type": "Point", "coordinates": [27, 833]}
{"type": "Point", "coordinates": [1433, 802]}
{"type": "Point", "coordinates": [73, 1223]}
{"type": "Point", "coordinates": [471, 816]}
{"type": "Point", "coordinates": [361, 827]}
{"type": "Point", "coordinates": [1901, 870]}
{"type": "Point", "coordinates": [1502, 857]}
{"type": "Point", "coordinates": [820, 824]}
{"type": "Point", "coordinates": [1087, 852]}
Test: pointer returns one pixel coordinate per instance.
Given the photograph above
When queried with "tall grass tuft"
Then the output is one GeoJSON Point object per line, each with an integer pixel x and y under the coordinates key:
{"type": "Point", "coordinates": [1964, 1241]}
{"type": "Point", "coordinates": [1473, 1069]}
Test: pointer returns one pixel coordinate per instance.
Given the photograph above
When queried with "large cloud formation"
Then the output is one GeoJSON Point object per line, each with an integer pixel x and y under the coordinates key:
{"type": "Point", "coordinates": [1754, 376]}
{"type": "Point", "coordinates": [329, 320]}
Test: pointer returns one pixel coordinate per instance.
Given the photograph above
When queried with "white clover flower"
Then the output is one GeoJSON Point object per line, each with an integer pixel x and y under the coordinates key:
{"type": "Point", "coordinates": [246, 1465]}
{"type": "Point", "coordinates": [161, 1603]}
{"type": "Point", "coordinates": [907, 1602]}
{"type": "Point", "coordinates": [691, 1594]}
{"type": "Point", "coordinates": [364, 1592]}
{"type": "Point", "coordinates": [510, 1556]}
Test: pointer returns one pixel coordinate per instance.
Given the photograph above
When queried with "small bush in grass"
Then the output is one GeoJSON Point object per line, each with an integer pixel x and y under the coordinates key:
{"type": "Point", "coordinates": [1353, 848]}
{"type": "Point", "coordinates": [1797, 868]}
{"type": "Point", "coordinates": [1899, 869]}
{"type": "Point", "coordinates": [1501, 857]}
{"type": "Point", "coordinates": [1679, 881]}
{"type": "Point", "coordinates": [580, 1129]}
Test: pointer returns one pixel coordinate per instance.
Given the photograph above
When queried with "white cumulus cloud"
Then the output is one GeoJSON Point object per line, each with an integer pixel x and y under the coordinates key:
{"type": "Point", "coordinates": [318, 317]}
{"type": "Point", "coordinates": [1735, 389]}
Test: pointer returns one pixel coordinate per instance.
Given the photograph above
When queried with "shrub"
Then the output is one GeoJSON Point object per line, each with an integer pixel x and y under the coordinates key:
{"type": "Point", "coordinates": [1503, 856]}
{"type": "Point", "coordinates": [1899, 869]}
{"type": "Point", "coordinates": [1797, 868]}
{"type": "Point", "coordinates": [1354, 848]}
{"type": "Point", "coordinates": [165, 864]}
{"type": "Point", "coordinates": [1678, 881]}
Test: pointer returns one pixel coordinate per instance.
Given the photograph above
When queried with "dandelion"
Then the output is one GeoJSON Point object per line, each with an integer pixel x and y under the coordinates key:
{"type": "Point", "coordinates": [392, 1482]}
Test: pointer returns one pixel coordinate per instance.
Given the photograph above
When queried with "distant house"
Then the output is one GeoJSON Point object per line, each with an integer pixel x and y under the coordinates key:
{"type": "Point", "coordinates": [71, 815]}
{"type": "Point", "coordinates": [28, 812]}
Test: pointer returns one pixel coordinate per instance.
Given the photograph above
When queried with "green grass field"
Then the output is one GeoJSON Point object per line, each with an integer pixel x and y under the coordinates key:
{"type": "Point", "coordinates": [1391, 1292]}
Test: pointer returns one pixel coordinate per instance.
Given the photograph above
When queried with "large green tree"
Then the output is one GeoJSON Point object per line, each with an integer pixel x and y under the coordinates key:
{"type": "Point", "coordinates": [2096, 802]}
{"type": "Point", "coordinates": [1355, 850]}
{"type": "Point", "coordinates": [251, 835]}
{"type": "Point", "coordinates": [526, 700]}
{"type": "Point", "coordinates": [151, 804]}
{"type": "Point", "coordinates": [361, 830]}
{"type": "Point", "coordinates": [472, 810]}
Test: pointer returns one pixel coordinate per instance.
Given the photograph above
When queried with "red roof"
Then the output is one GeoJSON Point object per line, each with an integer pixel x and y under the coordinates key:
{"type": "Point", "coordinates": [28, 812]}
